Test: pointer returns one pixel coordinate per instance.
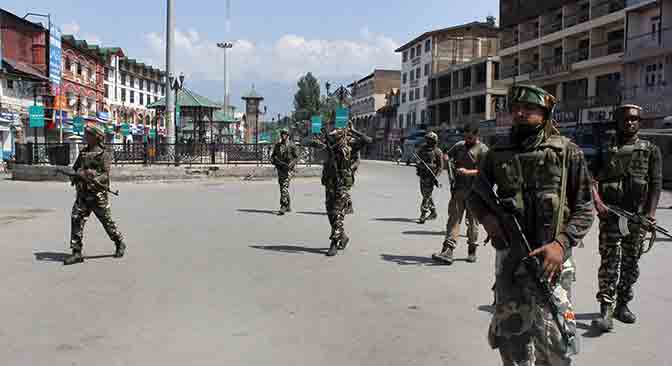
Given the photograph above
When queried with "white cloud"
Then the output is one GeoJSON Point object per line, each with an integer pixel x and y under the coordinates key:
{"type": "Point", "coordinates": [70, 28]}
{"type": "Point", "coordinates": [74, 29]}
{"type": "Point", "coordinates": [283, 60]}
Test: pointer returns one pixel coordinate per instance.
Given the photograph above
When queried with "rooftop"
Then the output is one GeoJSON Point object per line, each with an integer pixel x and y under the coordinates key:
{"type": "Point", "coordinates": [488, 29]}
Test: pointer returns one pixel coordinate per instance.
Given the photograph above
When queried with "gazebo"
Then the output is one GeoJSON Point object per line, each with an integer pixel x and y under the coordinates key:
{"type": "Point", "coordinates": [225, 125]}
{"type": "Point", "coordinates": [196, 116]}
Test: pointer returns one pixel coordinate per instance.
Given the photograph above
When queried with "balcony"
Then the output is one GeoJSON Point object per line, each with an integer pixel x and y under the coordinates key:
{"type": "Point", "coordinates": [509, 38]}
{"type": "Point", "coordinates": [579, 17]}
{"type": "Point", "coordinates": [648, 44]}
{"type": "Point", "coordinates": [607, 7]}
{"type": "Point", "coordinates": [509, 71]}
{"type": "Point", "coordinates": [607, 48]}
{"type": "Point", "coordinates": [529, 68]}
{"type": "Point", "coordinates": [642, 94]}
{"type": "Point", "coordinates": [552, 27]}
{"type": "Point", "coordinates": [551, 66]}
{"type": "Point", "coordinates": [529, 35]}
{"type": "Point", "coordinates": [578, 55]}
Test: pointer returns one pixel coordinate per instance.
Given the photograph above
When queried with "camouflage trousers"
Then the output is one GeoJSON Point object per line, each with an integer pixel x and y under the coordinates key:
{"type": "Point", "coordinates": [335, 206]}
{"type": "Point", "coordinates": [81, 210]}
{"type": "Point", "coordinates": [522, 327]}
{"type": "Point", "coordinates": [283, 182]}
{"type": "Point", "coordinates": [456, 211]}
{"type": "Point", "coordinates": [619, 265]}
{"type": "Point", "coordinates": [348, 199]}
{"type": "Point", "coordinates": [426, 189]}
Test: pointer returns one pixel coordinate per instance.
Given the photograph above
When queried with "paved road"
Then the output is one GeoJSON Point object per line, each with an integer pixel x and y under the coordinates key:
{"type": "Point", "coordinates": [213, 278]}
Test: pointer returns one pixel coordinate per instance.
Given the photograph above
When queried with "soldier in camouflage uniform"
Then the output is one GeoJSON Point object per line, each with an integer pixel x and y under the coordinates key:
{"type": "Point", "coordinates": [433, 157]}
{"type": "Point", "coordinates": [357, 143]}
{"type": "Point", "coordinates": [337, 178]}
{"type": "Point", "coordinates": [465, 156]}
{"type": "Point", "coordinates": [628, 173]}
{"type": "Point", "coordinates": [93, 163]}
{"type": "Point", "coordinates": [545, 177]}
{"type": "Point", "coordinates": [284, 157]}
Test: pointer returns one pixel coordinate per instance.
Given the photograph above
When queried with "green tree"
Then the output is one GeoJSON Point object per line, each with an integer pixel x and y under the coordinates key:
{"type": "Point", "coordinates": [307, 99]}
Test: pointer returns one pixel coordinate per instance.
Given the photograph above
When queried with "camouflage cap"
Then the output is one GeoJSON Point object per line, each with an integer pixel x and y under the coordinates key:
{"type": "Point", "coordinates": [432, 136]}
{"type": "Point", "coordinates": [533, 95]}
{"type": "Point", "coordinates": [627, 110]}
{"type": "Point", "coordinates": [284, 131]}
{"type": "Point", "coordinates": [95, 130]}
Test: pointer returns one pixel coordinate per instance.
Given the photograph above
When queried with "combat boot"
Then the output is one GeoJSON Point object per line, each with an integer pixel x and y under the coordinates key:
{"type": "Point", "coordinates": [624, 314]}
{"type": "Point", "coordinates": [432, 215]}
{"type": "Point", "coordinates": [349, 210]}
{"type": "Point", "coordinates": [446, 255]}
{"type": "Point", "coordinates": [343, 243]}
{"type": "Point", "coordinates": [471, 253]}
{"type": "Point", "coordinates": [74, 258]}
{"type": "Point", "coordinates": [605, 322]}
{"type": "Point", "coordinates": [120, 250]}
{"type": "Point", "coordinates": [333, 249]}
{"type": "Point", "coordinates": [282, 211]}
{"type": "Point", "coordinates": [422, 219]}
{"type": "Point", "coordinates": [288, 209]}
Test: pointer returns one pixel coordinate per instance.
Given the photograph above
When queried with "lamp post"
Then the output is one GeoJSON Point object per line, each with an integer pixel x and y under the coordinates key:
{"type": "Point", "coordinates": [170, 98]}
{"type": "Point", "coordinates": [226, 46]}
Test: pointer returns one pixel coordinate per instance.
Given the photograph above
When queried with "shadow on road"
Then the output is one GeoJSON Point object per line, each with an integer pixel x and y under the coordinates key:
{"type": "Point", "coordinates": [404, 260]}
{"type": "Point", "coordinates": [587, 316]}
{"type": "Point", "coordinates": [291, 249]}
{"type": "Point", "coordinates": [423, 232]}
{"type": "Point", "coordinates": [60, 257]}
{"type": "Point", "coordinates": [267, 212]}
{"type": "Point", "coordinates": [663, 240]}
{"type": "Point", "coordinates": [396, 219]}
{"type": "Point", "coordinates": [312, 213]}
{"type": "Point", "coordinates": [487, 309]}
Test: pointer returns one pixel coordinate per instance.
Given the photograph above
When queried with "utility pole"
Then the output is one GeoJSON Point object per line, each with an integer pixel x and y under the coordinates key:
{"type": "Point", "coordinates": [170, 97]}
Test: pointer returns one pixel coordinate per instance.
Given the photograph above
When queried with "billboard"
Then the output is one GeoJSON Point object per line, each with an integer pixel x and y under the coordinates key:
{"type": "Point", "coordinates": [55, 55]}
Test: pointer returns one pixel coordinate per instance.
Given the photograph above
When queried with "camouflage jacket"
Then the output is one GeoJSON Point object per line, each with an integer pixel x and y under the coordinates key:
{"type": "Point", "coordinates": [98, 161]}
{"type": "Point", "coordinates": [284, 155]}
{"type": "Point", "coordinates": [461, 157]}
{"type": "Point", "coordinates": [433, 157]}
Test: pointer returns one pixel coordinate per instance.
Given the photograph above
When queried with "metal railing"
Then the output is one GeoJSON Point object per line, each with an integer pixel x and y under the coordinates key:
{"type": "Point", "coordinates": [607, 48]}
{"type": "Point", "coordinates": [607, 7]}
{"type": "Point", "coordinates": [552, 27]}
{"type": "Point", "coordinates": [529, 35]}
{"type": "Point", "coordinates": [509, 71]}
{"type": "Point", "coordinates": [578, 17]}
{"type": "Point", "coordinates": [650, 40]}
{"type": "Point", "coordinates": [148, 154]}
{"type": "Point", "coordinates": [529, 67]}
{"type": "Point", "coordinates": [578, 55]}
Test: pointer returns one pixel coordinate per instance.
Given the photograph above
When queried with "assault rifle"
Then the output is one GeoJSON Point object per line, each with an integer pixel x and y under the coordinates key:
{"type": "Point", "coordinates": [436, 180]}
{"type": "Point", "coordinates": [643, 222]}
{"type": "Point", "coordinates": [506, 215]}
{"type": "Point", "coordinates": [89, 182]}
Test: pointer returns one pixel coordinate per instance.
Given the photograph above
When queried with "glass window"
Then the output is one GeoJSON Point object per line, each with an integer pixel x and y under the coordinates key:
{"type": "Point", "coordinates": [68, 66]}
{"type": "Point", "coordinates": [79, 68]}
{"type": "Point", "coordinates": [403, 97]}
{"type": "Point", "coordinates": [405, 56]}
{"type": "Point", "coordinates": [123, 94]}
{"type": "Point", "coordinates": [132, 79]}
{"type": "Point", "coordinates": [412, 53]}
{"type": "Point", "coordinates": [132, 96]}
{"type": "Point", "coordinates": [123, 79]}
{"type": "Point", "coordinates": [107, 91]}
{"type": "Point", "coordinates": [426, 69]}
{"type": "Point", "coordinates": [142, 99]}
{"type": "Point", "coordinates": [417, 93]}
{"type": "Point", "coordinates": [142, 84]}
{"type": "Point", "coordinates": [428, 45]}
{"type": "Point", "coordinates": [404, 78]}
{"type": "Point", "coordinates": [418, 50]}
{"type": "Point", "coordinates": [417, 73]}
{"type": "Point", "coordinates": [10, 84]}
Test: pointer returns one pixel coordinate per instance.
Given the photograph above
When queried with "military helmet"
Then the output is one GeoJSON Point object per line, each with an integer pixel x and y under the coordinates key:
{"type": "Point", "coordinates": [432, 136]}
{"type": "Point", "coordinates": [533, 95]}
{"type": "Point", "coordinates": [284, 131]}
{"type": "Point", "coordinates": [626, 111]}
{"type": "Point", "coordinates": [95, 130]}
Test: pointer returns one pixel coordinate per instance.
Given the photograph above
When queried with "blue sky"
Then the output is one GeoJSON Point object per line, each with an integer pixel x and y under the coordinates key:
{"type": "Point", "coordinates": [276, 40]}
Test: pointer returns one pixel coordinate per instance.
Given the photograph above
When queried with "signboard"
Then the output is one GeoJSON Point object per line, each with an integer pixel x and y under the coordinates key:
{"type": "Point", "coordinates": [78, 125]}
{"type": "Point", "coordinates": [316, 124]}
{"type": "Point", "coordinates": [36, 113]}
{"type": "Point", "coordinates": [55, 55]}
{"type": "Point", "coordinates": [125, 129]}
{"type": "Point", "coordinates": [264, 136]}
{"type": "Point", "coordinates": [178, 112]}
{"type": "Point", "coordinates": [105, 116]}
{"type": "Point", "coordinates": [341, 117]}
{"type": "Point", "coordinates": [600, 114]}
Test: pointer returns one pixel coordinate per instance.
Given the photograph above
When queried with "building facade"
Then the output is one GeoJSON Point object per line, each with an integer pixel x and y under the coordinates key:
{"type": "Point", "coordinates": [369, 95]}
{"type": "Point", "coordinates": [23, 77]}
{"type": "Point", "coordinates": [648, 59]}
{"type": "Point", "coordinates": [434, 52]}
{"type": "Point", "coordinates": [573, 49]}
{"type": "Point", "coordinates": [467, 92]}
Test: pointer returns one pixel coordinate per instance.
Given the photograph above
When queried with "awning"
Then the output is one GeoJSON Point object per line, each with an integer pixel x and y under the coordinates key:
{"type": "Point", "coordinates": [23, 69]}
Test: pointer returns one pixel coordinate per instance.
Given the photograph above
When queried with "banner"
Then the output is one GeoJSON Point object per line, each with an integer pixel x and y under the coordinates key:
{"type": "Point", "coordinates": [36, 114]}
{"type": "Point", "coordinates": [341, 117]}
{"type": "Point", "coordinates": [316, 124]}
{"type": "Point", "coordinates": [55, 55]}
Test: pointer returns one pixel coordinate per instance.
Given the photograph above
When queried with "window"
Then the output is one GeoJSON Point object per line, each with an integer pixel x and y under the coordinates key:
{"type": "Point", "coordinates": [404, 78]}
{"type": "Point", "coordinates": [655, 27]}
{"type": "Point", "coordinates": [401, 121]}
{"type": "Point", "coordinates": [428, 45]}
{"type": "Point", "coordinates": [417, 93]}
{"type": "Point", "coordinates": [10, 84]}
{"type": "Point", "coordinates": [163, 90]}
{"type": "Point", "coordinates": [132, 82]}
{"type": "Point", "coordinates": [156, 88]}
{"type": "Point", "coordinates": [426, 69]}
{"type": "Point", "coordinates": [142, 99]}
{"type": "Point", "coordinates": [79, 69]}
{"type": "Point", "coordinates": [424, 91]}
{"type": "Point", "coordinates": [418, 50]}
{"type": "Point", "coordinates": [68, 65]}
{"type": "Point", "coordinates": [405, 56]}
{"type": "Point", "coordinates": [107, 91]}
{"type": "Point", "coordinates": [403, 97]}
{"type": "Point", "coordinates": [412, 53]}
{"type": "Point", "coordinates": [123, 79]}
{"type": "Point", "coordinates": [411, 96]}
{"type": "Point", "coordinates": [107, 73]}
{"type": "Point", "coordinates": [608, 85]}
{"type": "Point", "coordinates": [123, 94]}
{"type": "Point", "coordinates": [422, 116]}
{"type": "Point", "coordinates": [412, 75]}
{"type": "Point", "coordinates": [653, 74]}
{"type": "Point", "coordinates": [132, 96]}
{"type": "Point", "coordinates": [417, 73]}
{"type": "Point", "coordinates": [142, 85]}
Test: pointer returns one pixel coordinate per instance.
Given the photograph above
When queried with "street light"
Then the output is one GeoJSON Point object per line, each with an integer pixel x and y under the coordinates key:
{"type": "Point", "coordinates": [175, 85]}
{"type": "Point", "coordinates": [226, 46]}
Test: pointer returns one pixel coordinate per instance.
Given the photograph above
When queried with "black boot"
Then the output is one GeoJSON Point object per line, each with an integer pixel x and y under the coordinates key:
{"type": "Point", "coordinates": [282, 211]}
{"type": "Point", "coordinates": [605, 322]}
{"type": "Point", "coordinates": [624, 314]}
{"type": "Point", "coordinates": [120, 251]}
{"type": "Point", "coordinates": [422, 219]}
{"type": "Point", "coordinates": [333, 249]}
{"type": "Point", "coordinates": [432, 215]}
{"type": "Point", "coordinates": [446, 255]}
{"type": "Point", "coordinates": [471, 253]}
{"type": "Point", "coordinates": [343, 243]}
{"type": "Point", "coordinates": [74, 258]}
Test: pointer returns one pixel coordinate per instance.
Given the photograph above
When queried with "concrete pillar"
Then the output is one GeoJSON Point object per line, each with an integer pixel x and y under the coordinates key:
{"type": "Point", "coordinates": [489, 75]}
{"type": "Point", "coordinates": [489, 112]}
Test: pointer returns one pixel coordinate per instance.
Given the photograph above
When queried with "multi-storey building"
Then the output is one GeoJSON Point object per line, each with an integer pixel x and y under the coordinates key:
{"type": "Point", "coordinates": [571, 48]}
{"type": "Point", "coordinates": [388, 133]}
{"type": "Point", "coordinates": [648, 59]}
{"type": "Point", "coordinates": [368, 96]}
{"type": "Point", "coordinates": [433, 52]}
{"type": "Point", "coordinates": [466, 92]}
{"type": "Point", "coordinates": [82, 79]}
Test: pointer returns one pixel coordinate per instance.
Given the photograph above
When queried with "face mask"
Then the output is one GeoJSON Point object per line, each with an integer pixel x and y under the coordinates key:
{"type": "Point", "coordinates": [522, 132]}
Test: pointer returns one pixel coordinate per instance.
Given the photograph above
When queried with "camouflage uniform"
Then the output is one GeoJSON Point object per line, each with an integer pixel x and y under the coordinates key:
{"type": "Point", "coordinates": [548, 179]}
{"type": "Point", "coordinates": [433, 157]}
{"type": "Point", "coordinates": [284, 158]}
{"type": "Point", "coordinates": [629, 175]}
{"type": "Point", "coordinates": [468, 158]}
{"type": "Point", "coordinates": [97, 160]}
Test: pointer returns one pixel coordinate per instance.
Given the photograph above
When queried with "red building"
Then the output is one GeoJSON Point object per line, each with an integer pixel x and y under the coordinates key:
{"type": "Point", "coordinates": [82, 78]}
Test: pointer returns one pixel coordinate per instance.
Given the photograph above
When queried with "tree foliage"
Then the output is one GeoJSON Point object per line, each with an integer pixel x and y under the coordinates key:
{"type": "Point", "coordinates": [307, 99]}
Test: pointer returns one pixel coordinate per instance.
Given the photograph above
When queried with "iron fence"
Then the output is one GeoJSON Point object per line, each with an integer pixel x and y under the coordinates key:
{"type": "Point", "coordinates": [168, 154]}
